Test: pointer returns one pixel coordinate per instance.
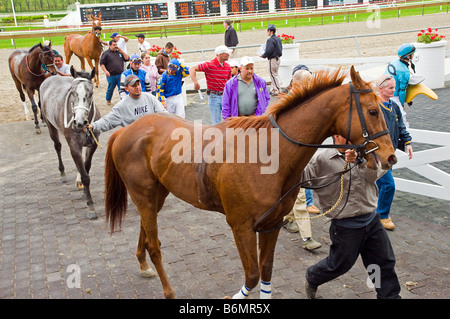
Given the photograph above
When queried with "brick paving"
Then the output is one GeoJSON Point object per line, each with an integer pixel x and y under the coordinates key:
{"type": "Point", "coordinates": [44, 232]}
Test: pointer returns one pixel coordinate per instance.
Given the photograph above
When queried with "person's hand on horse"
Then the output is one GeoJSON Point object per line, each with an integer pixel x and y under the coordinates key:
{"type": "Point", "coordinates": [350, 156]}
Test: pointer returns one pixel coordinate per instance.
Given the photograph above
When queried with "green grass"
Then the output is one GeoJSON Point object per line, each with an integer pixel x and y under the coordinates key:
{"type": "Point", "coordinates": [27, 43]}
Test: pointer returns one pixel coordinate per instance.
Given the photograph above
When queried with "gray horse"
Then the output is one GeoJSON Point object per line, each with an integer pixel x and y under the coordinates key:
{"type": "Point", "coordinates": [67, 105]}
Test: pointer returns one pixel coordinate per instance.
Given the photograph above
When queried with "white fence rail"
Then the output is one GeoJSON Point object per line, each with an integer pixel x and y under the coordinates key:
{"type": "Point", "coordinates": [421, 163]}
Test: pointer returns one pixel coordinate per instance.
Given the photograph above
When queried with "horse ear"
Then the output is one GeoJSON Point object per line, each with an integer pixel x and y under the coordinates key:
{"type": "Point", "coordinates": [72, 72]}
{"type": "Point", "coordinates": [356, 79]}
{"type": "Point", "coordinates": [92, 73]}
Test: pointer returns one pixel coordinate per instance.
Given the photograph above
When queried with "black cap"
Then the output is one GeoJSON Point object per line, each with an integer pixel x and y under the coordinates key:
{"type": "Point", "coordinates": [271, 27]}
{"type": "Point", "coordinates": [140, 35]}
{"type": "Point", "coordinates": [300, 67]}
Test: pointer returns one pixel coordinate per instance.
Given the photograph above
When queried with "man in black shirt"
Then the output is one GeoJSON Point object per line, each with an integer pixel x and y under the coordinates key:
{"type": "Point", "coordinates": [273, 52]}
{"type": "Point", "coordinates": [111, 63]}
{"type": "Point", "coordinates": [231, 38]}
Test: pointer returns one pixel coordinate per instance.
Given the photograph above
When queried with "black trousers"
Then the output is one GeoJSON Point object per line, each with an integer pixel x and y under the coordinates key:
{"type": "Point", "coordinates": [373, 244]}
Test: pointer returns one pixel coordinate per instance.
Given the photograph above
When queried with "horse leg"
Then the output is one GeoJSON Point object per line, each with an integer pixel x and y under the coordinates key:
{"type": "Point", "coordinates": [40, 110]}
{"type": "Point", "coordinates": [245, 239]}
{"type": "Point", "coordinates": [76, 151]}
{"type": "Point", "coordinates": [148, 204]}
{"type": "Point", "coordinates": [83, 64]}
{"type": "Point", "coordinates": [92, 67]}
{"type": "Point", "coordinates": [54, 135]}
{"type": "Point", "coordinates": [97, 79]}
{"type": "Point", "coordinates": [34, 108]}
{"type": "Point", "coordinates": [22, 97]}
{"type": "Point", "coordinates": [267, 244]}
{"type": "Point", "coordinates": [69, 54]}
{"type": "Point", "coordinates": [143, 244]}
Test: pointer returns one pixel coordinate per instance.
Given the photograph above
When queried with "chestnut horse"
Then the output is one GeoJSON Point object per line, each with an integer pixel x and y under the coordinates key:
{"type": "Point", "coordinates": [162, 153]}
{"type": "Point", "coordinates": [27, 71]}
{"type": "Point", "coordinates": [87, 47]}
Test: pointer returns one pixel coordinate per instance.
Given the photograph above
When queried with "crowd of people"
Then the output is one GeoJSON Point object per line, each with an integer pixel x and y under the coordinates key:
{"type": "Point", "coordinates": [234, 89]}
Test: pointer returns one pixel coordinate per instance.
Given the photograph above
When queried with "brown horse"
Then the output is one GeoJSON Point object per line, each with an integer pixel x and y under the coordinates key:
{"type": "Point", "coordinates": [27, 71]}
{"type": "Point", "coordinates": [87, 47]}
{"type": "Point", "coordinates": [203, 166]}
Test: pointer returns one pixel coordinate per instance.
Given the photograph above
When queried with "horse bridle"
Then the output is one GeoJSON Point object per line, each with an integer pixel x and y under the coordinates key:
{"type": "Point", "coordinates": [74, 108]}
{"type": "Point", "coordinates": [361, 149]}
{"type": "Point", "coordinates": [368, 139]}
{"type": "Point", "coordinates": [46, 65]}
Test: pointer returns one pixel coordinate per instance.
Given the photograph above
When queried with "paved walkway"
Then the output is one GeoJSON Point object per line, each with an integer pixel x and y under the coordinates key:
{"type": "Point", "coordinates": [46, 237]}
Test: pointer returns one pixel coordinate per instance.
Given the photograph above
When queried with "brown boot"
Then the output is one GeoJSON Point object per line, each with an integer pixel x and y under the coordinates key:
{"type": "Point", "coordinates": [313, 209]}
{"type": "Point", "coordinates": [387, 223]}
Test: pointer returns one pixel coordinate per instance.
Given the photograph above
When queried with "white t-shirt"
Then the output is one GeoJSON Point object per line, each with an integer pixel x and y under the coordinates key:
{"type": "Point", "coordinates": [65, 69]}
{"type": "Point", "coordinates": [122, 45]}
{"type": "Point", "coordinates": [143, 47]}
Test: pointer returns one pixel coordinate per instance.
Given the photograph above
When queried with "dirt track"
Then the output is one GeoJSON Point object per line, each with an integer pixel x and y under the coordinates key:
{"type": "Point", "coordinates": [11, 109]}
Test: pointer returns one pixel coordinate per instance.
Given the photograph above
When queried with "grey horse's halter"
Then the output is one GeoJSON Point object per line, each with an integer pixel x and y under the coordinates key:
{"type": "Point", "coordinates": [74, 108]}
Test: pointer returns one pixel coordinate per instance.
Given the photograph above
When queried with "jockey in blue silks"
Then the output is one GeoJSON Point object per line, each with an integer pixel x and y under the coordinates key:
{"type": "Point", "coordinates": [399, 69]}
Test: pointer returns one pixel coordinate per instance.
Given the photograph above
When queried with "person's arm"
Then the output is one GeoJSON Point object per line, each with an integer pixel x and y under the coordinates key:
{"type": "Point", "coordinates": [103, 61]}
{"type": "Point", "coordinates": [107, 122]}
{"type": "Point", "coordinates": [122, 92]}
{"type": "Point", "coordinates": [193, 75]}
{"type": "Point", "coordinates": [160, 90]}
{"type": "Point", "coordinates": [226, 101]}
{"type": "Point", "coordinates": [125, 56]}
{"type": "Point", "coordinates": [124, 38]}
{"type": "Point", "coordinates": [270, 46]}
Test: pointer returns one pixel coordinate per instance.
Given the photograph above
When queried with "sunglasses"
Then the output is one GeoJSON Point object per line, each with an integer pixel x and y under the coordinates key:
{"type": "Point", "coordinates": [173, 66]}
{"type": "Point", "coordinates": [386, 79]}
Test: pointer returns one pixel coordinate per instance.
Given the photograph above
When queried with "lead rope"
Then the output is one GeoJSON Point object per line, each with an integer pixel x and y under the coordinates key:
{"type": "Point", "coordinates": [341, 194]}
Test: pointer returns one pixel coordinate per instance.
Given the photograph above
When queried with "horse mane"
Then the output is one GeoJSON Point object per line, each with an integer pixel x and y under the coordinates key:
{"type": "Point", "coordinates": [34, 47]}
{"type": "Point", "coordinates": [299, 93]}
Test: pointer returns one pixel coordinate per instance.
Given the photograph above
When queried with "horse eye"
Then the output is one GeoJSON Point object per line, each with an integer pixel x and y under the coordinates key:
{"type": "Point", "coordinates": [373, 112]}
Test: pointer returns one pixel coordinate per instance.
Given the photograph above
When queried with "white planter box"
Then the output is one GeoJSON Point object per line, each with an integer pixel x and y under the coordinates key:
{"type": "Point", "coordinates": [429, 60]}
{"type": "Point", "coordinates": [291, 52]}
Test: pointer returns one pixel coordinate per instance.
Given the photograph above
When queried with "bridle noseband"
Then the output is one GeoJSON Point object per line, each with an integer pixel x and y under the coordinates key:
{"type": "Point", "coordinates": [368, 139]}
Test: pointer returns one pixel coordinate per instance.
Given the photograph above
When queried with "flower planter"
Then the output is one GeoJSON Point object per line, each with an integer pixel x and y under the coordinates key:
{"type": "Point", "coordinates": [289, 59]}
{"type": "Point", "coordinates": [429, 60]}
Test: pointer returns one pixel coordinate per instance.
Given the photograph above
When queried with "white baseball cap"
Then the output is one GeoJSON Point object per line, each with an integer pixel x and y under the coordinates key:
{"type": "Point", "coordinates": [223, 49]}
{"type": "Point", "coordinates": [246, 60]}
{"type": "Point", "coordinates": [233, 63]}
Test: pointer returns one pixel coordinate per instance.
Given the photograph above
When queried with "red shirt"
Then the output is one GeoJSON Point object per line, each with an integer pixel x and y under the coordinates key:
{"type": "Point", "coordinates": [216, 75]}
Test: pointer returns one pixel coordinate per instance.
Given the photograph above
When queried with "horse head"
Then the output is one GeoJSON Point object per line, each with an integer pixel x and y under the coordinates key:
{"type": "Point", "coordinates": [47, 57]}
{"type": "Point", "coordinates": [368, 127]}
{"type": "Point", "coordinates": [97, 31]}
{"type": "Point", "coordinates": [81, 97]}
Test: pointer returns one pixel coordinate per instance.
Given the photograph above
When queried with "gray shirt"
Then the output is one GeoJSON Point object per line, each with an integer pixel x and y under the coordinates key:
{"type": "Point", "coordinates": [363, 198]}
{"type": "Point", "coordinates": [247, 99]}
{"type": "Point", "coordinates": [65, 69]}
{"type": "Point", "coordinates": [129, 110]}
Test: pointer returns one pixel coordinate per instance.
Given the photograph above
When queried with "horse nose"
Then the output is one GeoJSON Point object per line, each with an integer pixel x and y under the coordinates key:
{"type": "Point", "coordinates": [392, 160]}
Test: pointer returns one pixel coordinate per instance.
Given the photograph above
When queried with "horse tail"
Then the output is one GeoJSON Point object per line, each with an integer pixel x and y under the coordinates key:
{"type": "Point", "coordinates": [116, 195]}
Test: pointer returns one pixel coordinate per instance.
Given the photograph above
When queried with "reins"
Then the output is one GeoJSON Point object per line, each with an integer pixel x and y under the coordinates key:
{"type": "Point", "coordinates": [28, 67]}
{"type": "Point", "coordinates": [361, 149]}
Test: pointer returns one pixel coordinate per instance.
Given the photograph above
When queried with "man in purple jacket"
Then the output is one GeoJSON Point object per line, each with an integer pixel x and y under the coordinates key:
{"type": "Point", "coordinates": [246, 93]}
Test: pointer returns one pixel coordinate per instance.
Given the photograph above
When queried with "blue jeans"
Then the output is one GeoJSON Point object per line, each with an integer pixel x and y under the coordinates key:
{"type": "Point", "coordinates": [113, 81]}
{"type": "Point", "coordinates": [215, 107]}
{"type": "Point", "coordinates": [386, 188]}
{"type": "Point", "coordinates": [309, 197]}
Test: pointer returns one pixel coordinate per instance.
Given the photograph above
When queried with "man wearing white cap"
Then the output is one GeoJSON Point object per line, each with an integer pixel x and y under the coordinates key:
{"type": "Point", "coordinates": [121, 41]}
{"type": "Point", "coordinates": [246, 93]}
{"type": "Point", "coordinates": [217, 73]}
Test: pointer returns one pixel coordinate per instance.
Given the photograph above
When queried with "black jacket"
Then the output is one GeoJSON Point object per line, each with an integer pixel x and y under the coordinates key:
{"type": "Point", "coordinates": [274, 48]}
{"type": "Point", "coordinates": [231, 38]}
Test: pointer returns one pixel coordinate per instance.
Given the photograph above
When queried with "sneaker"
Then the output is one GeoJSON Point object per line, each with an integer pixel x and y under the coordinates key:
{"type": "Point", "coordinates": [387, 223]}
{"type": "Point", "coordinates": [311, 244]}
{"type": "Point", "coordinates": [292, 227]}
{"type": "Point", "coordinates": [313, 209]}
{"type": "Point", "coordinates": [310, 290]}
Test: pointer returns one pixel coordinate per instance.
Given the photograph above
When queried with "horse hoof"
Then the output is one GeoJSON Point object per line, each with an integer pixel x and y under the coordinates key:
{"type": "Point", "coordinates": [92, 215]}
{"type": "Point", "coordinates": [227, 297]}
{"type": "Point", "coordinates": [149, 273]}
{"type": "Point", "coordinates": [44, 124]}
{"type": "Point", "coordinates": [38, 130]}
{"type": "Point", "coordinates": [63, 179]}
{"type": "Point", "coordinates": [80, 185]}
